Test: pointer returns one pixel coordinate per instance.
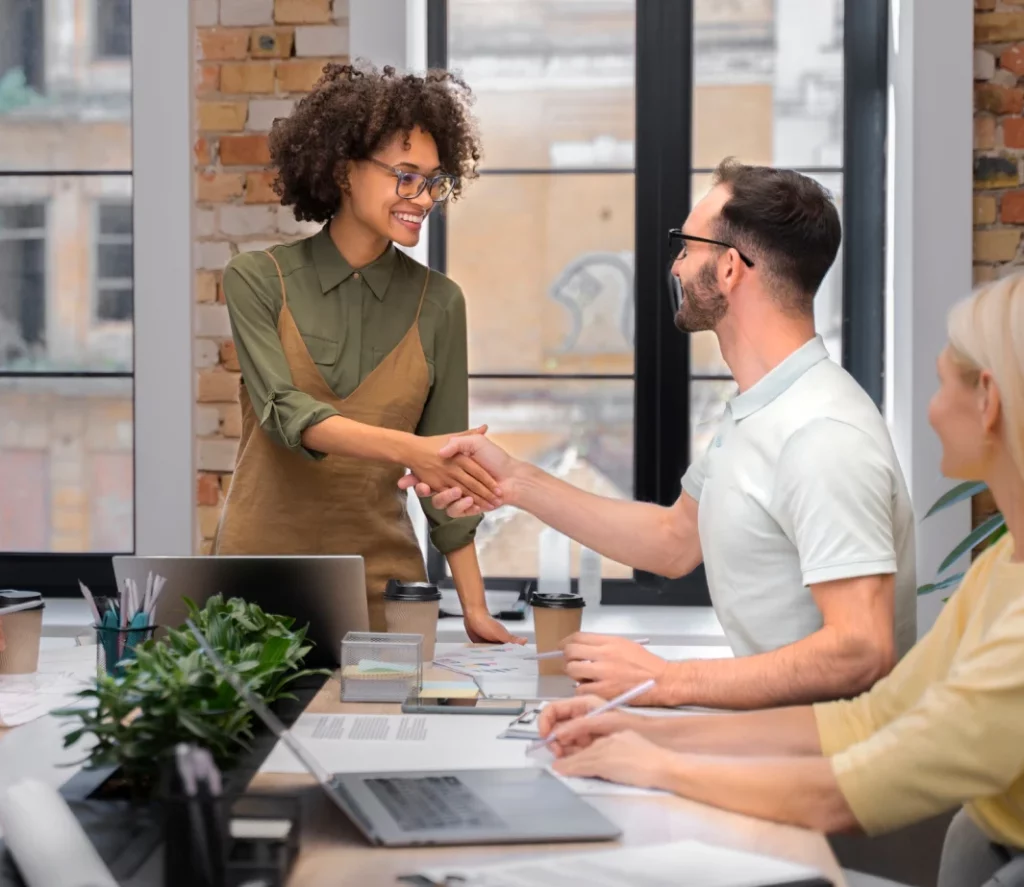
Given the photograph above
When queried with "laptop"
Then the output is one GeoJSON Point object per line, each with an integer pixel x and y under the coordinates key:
{"type": "Point", "coordinates": [441, 808]}
{"type": "Point", "coordinates": [325, 593]}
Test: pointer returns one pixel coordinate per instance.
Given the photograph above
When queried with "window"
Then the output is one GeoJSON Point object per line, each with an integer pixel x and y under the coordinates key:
{"type": "Point", "coordinates": [23, 268]}
{"type": "Point", "coordinates": [114, 262]}
{"type": "Point", "coordinates": [66, 289]}
{"type": "Point", "coordinates": [602, 122]}
{"type": "Point", "coordinates": [113, 29]}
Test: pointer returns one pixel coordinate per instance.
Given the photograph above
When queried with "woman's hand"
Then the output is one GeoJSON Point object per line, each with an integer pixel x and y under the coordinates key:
{"type": "Point", "coordinates": [483, 628]}
{"type": "Point", "coordinates": [422, 456]}
{"type": "Point", "coordinates": [624, 757]}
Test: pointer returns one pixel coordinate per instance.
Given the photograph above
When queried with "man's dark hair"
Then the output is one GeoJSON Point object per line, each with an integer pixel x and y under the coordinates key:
{"type": "Point", "coordinates": [786, 222]}
{"type": "Point", "coordinates": [352, 111]}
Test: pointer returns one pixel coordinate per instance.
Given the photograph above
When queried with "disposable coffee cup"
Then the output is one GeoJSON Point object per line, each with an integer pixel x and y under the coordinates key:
{"type": "Point", "coordinates": [556, 615]}
{"type": "Point", "coordinates": [22, 630]}
{"type": "Point", "coordinates": [413, 608]}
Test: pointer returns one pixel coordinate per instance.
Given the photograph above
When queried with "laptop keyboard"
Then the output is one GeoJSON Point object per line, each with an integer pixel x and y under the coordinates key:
{"type": "Point", "coordinates": [426, 803]}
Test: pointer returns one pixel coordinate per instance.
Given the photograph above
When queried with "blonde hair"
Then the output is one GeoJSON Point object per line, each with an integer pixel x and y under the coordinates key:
{"type": "Point", "coordinates": [986, 332]}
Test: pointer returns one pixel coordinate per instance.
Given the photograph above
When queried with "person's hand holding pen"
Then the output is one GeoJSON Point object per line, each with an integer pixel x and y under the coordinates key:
{"type": "Point", "coordinates": [439, 463]}
{"type": "Point", "coordinates": [607, 665]}
{"type": "Point", "coordinates": [591, 737]}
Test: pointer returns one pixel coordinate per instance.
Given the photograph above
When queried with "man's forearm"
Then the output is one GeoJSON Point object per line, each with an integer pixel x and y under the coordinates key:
{"type": "Point", "coordinates": [817, 668]}
{"type": "Point", "coordinates": [638, 534]}
{"type": "Point", "coordinates": [796, 791]}
{"type": "Point", "coordinates": [778, 731]}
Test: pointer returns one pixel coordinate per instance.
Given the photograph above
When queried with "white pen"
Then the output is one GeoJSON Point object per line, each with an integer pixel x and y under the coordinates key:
{"type": "Point", "coordinates": [617, 702]}
{"type": "Point", "coordinates": [554, 654]}
{"type": "Point", "coordinates": [90, 601]}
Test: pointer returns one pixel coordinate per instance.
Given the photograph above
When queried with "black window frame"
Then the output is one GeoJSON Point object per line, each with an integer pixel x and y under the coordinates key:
{"type": "Point", "coordinates": [663, 171]}
{"type": "Point", "coordinates": [57, 574]}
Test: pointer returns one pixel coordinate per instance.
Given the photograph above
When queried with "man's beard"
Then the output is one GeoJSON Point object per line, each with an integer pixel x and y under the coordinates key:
{"type": "Point", "coordinates": [703, 305]}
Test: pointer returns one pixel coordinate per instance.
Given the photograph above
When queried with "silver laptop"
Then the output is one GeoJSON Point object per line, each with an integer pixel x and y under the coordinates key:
{"type": "Point", "coordinates": [460, 807]}
{"type": "Point", "coordinates": [326, 593]}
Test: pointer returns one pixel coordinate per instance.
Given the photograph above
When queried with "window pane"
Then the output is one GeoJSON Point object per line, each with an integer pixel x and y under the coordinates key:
{"type": "Point", "coordinates": [553, 79]}
{"type": "Point", "coordinates": [707, 404]}
{"type": "Point", "coordinates": [546, 263]}
{"type": "Point", "coordinates": [579, 431]}
{"type": "Point", "coordinates": [768, 82]}
{"type": "Point", "coordinates": [54, 265]}
{"type": "Point", "coordinates": [66, 465]}
{"type": "Point", "coordinates": [116, 218]}
{"type": "Point", "coordinates": [705, 356]}
{"type": "Point", "coordinates": [65, 86]}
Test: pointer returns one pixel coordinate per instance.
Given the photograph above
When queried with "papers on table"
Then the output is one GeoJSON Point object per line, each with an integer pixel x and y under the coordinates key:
{"type": "Point", "coordinates": [692, 863]}
{"type": "Point", "coordinates": [61, 674]}
{"type": "Point", "coordinates": [360, 743]}
{"type": "Point", "coordinates": [506, 660]}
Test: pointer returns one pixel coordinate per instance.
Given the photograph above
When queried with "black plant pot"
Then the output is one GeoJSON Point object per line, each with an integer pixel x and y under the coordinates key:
{"type": "Point", "coordinates": [128, 832]}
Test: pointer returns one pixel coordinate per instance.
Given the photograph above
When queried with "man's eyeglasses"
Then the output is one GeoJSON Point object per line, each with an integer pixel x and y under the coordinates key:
{"type": "Point", "coordinates": [677, 243]}
{"type": "Point", "coordinates": [410, 185]}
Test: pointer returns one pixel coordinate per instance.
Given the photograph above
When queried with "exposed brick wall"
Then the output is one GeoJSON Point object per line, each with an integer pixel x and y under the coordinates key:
{"type": "Point", "coordinates": [998, 151]}
{"type": "Point", "coordinates": [253, 59]}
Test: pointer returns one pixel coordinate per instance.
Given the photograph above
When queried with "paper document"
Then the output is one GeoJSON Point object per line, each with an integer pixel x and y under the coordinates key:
{"type": "Point", "coordinates": [692, 863]}
{"type": "Point", "coordinates": [400, 743]}
{"type": "Point", "coordinates": [505, 660]}
{"type": "Point", "coordinates": [61, 674]}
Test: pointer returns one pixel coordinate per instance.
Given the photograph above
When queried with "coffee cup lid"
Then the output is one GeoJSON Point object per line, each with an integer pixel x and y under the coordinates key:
{"type": "Point", "coordinates": [557, 600]}
{"type": "Point", "coordinates": [411, 591]}
{"type": "Point", "coordinates": [10, 597]}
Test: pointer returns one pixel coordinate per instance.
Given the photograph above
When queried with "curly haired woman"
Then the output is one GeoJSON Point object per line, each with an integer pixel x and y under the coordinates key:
{"type": "Point", "coordinates": [353, 355]}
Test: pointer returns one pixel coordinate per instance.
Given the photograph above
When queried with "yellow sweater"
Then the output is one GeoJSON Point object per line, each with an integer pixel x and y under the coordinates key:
{"type": "Point", "coordinates": [946, 727]}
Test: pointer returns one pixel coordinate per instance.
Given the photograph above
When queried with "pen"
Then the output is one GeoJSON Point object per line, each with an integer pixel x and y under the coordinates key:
{"type": "Point", "coordinates": [617, 702]}
{"type": "Point", "coordinates": [554, 654]}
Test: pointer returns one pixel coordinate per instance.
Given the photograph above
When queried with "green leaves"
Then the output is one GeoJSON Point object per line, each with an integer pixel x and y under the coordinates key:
{"type": "Point", "coordinates": [991, 529]}
{"type": "Point", "coordinates": [966, 490]}
{"type": "Point", "coordinates": [171, 693]}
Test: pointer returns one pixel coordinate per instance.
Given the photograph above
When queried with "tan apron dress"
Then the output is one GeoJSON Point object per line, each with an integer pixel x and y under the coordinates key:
{"type": "Point", "coordinates": [282, 502]}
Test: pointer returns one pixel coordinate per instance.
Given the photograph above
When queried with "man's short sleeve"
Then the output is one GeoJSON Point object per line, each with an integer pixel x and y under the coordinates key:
{"type": "Point", "coordinates": [693, 480]}
{"type": "Point", "coordinates": [834, 497]}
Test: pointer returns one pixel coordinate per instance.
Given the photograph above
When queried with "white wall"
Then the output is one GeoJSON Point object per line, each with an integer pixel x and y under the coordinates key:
{"type": "Point", "coordinates": [162, 144]}
{"type": "Point", "coordinates": [393, 32]}
{"type": "Point", "coordinates": [929, 247]}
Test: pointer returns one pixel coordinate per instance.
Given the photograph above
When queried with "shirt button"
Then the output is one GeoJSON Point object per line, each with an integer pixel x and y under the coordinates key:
{"type": "Point", "coordinates": [718, 441]}
{"type": "Point", "coordinates": [356, 275]}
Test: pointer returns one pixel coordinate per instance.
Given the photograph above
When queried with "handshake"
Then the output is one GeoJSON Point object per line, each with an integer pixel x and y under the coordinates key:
{"type": "Point", "coordinates": [465, 474]}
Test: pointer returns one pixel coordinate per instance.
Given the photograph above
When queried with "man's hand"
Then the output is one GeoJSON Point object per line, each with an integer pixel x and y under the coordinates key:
{"type": "Point", "coordinates": [608, 666]}
{"type": "Point", "coordinates": [483, 628]}
{"type": "Point", "coordinates": [624, 757]}
{"type": "Point", "coordinates": [456, 499]}
{"type": "Point", "coordinates": [438, 462]}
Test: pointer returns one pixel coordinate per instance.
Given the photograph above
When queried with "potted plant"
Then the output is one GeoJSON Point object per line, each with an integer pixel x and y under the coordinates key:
{"type": "Point", "coordinates": [171, 693]}
{"type": "Point", "coordinates": [989, 530]}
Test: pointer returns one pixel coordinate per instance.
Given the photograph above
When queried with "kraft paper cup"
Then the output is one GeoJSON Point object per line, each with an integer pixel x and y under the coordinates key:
{"type": "Point", "coordinates": [22, 632]}
{"type": "Point", "coordinates": [413, 608]}
{"type": "Point", "coordinates": [556, 615]}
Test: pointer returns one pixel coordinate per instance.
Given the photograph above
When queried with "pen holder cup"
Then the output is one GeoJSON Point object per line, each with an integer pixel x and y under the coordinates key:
{"type": "Point", "coordinates": [230, 841]}
{"type": "Point", "coordinates": [381, 667]}
{"type": "Point", "coordinates": [116, 646]}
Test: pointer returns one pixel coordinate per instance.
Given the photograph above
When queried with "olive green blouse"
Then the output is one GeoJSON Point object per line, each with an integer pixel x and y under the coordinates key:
{"type": "Point", "coordinates": [349, 320]}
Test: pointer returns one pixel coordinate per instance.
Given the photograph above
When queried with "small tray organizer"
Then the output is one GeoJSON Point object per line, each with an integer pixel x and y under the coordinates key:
{"type": "Point", "coordinates": [381, 667]}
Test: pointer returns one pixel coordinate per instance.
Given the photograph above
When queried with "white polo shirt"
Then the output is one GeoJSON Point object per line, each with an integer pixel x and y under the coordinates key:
{"type": "Point", "coordinates": [800, 485]}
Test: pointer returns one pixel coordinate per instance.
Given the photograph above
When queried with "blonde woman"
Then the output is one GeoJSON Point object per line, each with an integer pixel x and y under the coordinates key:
{"type": "Point", "coordinates": [944, 729]}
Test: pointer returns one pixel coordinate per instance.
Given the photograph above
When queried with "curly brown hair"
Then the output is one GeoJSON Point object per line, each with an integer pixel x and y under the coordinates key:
{"type": "Point", "coordinates": [351, 112]}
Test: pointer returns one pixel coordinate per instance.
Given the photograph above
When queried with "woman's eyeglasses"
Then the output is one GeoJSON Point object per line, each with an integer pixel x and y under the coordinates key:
{"type": "Point", "coordinates": [677, 244]}
{"type": "Point", "coordinates": [410, 185]}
